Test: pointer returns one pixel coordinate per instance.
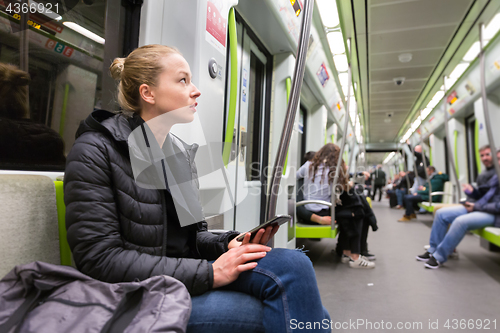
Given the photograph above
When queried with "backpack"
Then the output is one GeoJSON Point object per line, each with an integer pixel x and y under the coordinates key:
{"type": "Point", "coordinates": [42, 297]}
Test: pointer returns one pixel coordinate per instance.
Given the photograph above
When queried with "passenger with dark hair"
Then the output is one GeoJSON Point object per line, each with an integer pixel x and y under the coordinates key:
{"type": "Point", "coordinates": [22, 141]}
{"type": "Point", "coordinates": [349, 209]}
{"type": "Point", "coordinates": [483, 212]}
{"type": "Point", "coordinates": [119, 231]}
{"type": "Point", "coordinates": [406, 178]}
{"type": "Point", "coordinates": [379, 182]}
{"type": "Point", "coordinates": [437, 182]}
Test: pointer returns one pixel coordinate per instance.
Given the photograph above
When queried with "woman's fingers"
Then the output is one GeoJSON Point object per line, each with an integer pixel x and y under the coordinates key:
{"type": "Point", "coordinates": [258, 236]}
{"type": "Point", "coordinates": [266, 236]}
{"type": "Point", "coordinates": [246, 239]}
{"type": "Point", "coordinates": [246, 257]}
{"type": "Point", "coordinates": [246, 267]}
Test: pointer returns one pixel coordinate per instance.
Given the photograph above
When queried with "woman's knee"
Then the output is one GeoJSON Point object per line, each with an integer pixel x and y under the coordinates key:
{"type": "Point", "coordinates": [285, 261]}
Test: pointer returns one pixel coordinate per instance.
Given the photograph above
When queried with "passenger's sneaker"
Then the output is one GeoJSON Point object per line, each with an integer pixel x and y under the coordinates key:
{"type": "Point", "coordinates": [424, 257]}
{"type": "Point", "coordinates": [432, 263]}
{"type": "Point", "coordinates": [345, 259]}
{"type": "Point", "coordinates": [369, 256]}
{"type": "Point", "coordinates": [361, 263]}
{"type": "Point", "coordinates": [413, 216]}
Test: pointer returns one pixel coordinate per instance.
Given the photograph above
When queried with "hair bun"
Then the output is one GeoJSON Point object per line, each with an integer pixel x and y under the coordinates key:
{"type": "Point", "coordinates": [116, 68]}
{"type": "Point", "coordinates": [12, 75]}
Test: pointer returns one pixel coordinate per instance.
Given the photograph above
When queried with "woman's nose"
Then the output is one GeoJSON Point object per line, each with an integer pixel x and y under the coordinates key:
{"type": "Point", "coordinates": [196, 93]}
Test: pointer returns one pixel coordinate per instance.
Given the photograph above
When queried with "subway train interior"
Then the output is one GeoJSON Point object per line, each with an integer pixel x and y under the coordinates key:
{"type": "Point", "coordinates": [407, 91]}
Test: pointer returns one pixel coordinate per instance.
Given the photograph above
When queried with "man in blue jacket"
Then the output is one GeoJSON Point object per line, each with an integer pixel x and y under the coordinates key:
{"type": "Point", "coordinates": [484, 212]}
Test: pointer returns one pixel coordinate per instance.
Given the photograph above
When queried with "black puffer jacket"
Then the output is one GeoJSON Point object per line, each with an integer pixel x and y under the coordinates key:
{"type": "Point", "coordinates": [116, 228]}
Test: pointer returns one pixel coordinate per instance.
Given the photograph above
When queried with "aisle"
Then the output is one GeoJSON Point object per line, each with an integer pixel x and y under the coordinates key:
{"type": "Point", "coordinates": [400, 289]}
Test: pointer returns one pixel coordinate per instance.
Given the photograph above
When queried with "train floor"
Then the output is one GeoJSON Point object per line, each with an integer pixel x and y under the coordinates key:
{"type": "Point", "coordinates": [400, 290]}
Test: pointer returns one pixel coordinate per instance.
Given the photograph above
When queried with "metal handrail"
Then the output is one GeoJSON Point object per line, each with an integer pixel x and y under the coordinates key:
{"type": "Point", "coordinates": [307, 202]}
{"type": "Point", "coordinates": [291, 111]}
{"type": "Point", "coordinates": [448, 143]}
{"type": "Point", "coordinates": [344, 135]}
{"type": "Point", "coordinates": [487, 120]}
{"type": "Point", "coordinates": [424, 158]}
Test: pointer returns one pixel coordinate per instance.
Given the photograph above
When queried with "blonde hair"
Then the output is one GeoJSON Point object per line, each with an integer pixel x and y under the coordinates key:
{"type": "Point", "coordinates": [14, 92]}
{"type": "Point", "coordinates": [142, 66]}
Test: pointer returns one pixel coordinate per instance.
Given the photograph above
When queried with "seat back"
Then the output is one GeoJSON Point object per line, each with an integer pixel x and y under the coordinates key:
{"type": "Point", "coordinates": [28, 221]}
{"type": "Point", "coordinates": [448, 193]}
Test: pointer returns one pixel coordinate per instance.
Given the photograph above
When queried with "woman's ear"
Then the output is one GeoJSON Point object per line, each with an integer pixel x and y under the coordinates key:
{"type": "Point", "coordinates": [147, 94]}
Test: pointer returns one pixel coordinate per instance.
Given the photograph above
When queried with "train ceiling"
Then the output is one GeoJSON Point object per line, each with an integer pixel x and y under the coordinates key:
{"type": "Point", "coordinates": [418, 40]}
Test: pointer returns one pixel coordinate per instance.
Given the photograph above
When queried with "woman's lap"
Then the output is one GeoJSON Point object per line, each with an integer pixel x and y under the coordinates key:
{"type": "Point", "coordinates": [280, 281]}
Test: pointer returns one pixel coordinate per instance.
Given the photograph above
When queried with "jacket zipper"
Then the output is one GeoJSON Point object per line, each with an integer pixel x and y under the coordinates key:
{"type": "Point", "coordinates": [164, 211]}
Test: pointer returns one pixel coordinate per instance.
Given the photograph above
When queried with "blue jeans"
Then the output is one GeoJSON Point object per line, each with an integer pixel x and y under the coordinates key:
{"type": "Point", "coordinates": [443, 243]}
{"type": "Point", "coordinates": [279, 292]}
{"type": "Point", "coordinates": [399, 195]}
{"type": "Point", "coordinates": [409, 201]}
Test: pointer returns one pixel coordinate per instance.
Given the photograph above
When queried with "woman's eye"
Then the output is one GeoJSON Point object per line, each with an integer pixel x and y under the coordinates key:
{"type": "Point", "coordinates": [183, 80]}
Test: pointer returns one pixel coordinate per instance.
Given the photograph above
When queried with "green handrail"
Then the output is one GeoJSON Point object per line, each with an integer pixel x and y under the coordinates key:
{"type": "Point", "coordinates": [64, 248]}
{"type": "Point", "coordinates": [455, 134]}
{"type": "Point", "coordinates": [333, 138]}
{"type": "Point", "coordinates": [476, 147]}
{"type": "Point", "coordinates": [233, 86]}
{"type": "Point", "coordinates": [430, 154]}
{"type": "Point", "coordinates": [288, 83]}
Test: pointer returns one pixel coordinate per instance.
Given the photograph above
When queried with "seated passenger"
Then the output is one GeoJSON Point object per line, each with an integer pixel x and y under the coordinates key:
{"type": "Point", "coordinates": [437, 183]}
{"type": "Point", "coordinates": [484, 212]}
{"type": "Point", "coordinates": [402, 188]}
{"type": "Point", "coordinates": [119, 231]}
{"type": "Point", "coordinates": [22, 140]}
{"type": "Point", "coordinates": [316, 187]}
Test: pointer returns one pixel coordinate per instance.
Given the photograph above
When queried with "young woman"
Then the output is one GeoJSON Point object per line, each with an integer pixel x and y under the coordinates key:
{"type": "Point", "coordinates": [318, 177]}
{"type": "Point", "coordinates": [120, 231]}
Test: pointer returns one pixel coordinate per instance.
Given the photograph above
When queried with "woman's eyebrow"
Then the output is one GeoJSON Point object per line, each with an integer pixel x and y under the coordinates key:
{"type": "Point", "coordinates": [185, 73]}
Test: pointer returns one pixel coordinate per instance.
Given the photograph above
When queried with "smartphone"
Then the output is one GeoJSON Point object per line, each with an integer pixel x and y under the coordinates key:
{"type": "Point", "coordinates": [463, 202]}
{"type": "Point", "coordinates": [277, 220]}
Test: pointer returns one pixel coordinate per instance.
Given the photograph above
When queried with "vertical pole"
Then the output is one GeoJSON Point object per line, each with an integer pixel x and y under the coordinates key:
{"type": "Point", "coordinates": [24, 48]}
{"type": "Point", "coordinates": [414, 165]}
{"type": "Point", "coordinates": [424, 159]}
{"type": "Point", "coordinates": [344, 135]}
{"type": "Point", "coordinates": [448, 144]}
{"type": "Point", "coordinates": [406, 171]}
{"type": "Point", "coordinates": [291, 111]}
{"type": "Point", "coordinates": [484, 97]}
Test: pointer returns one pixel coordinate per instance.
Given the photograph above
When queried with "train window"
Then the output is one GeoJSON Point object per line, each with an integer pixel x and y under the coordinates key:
{"type": "Point", "coordinates": [255, 108]}
{"type": "Point", "coordinates": [64, 59]}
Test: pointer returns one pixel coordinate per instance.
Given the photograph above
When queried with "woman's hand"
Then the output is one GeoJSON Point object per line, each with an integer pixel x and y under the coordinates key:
{"type": "Point", "coordinates": [262, 237]}
{"type": "Point", "coordinates": [235, 261]}
{"type": "Point", "coordinates": [467, 188]}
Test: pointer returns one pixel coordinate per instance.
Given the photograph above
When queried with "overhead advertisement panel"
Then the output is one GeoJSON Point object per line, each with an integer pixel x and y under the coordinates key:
{"type": "Point", "coordinates": [466, 90]}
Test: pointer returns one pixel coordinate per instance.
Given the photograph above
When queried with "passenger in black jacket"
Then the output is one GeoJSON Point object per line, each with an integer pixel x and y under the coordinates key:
{"type": "Point", "coordinates": [120, 230]}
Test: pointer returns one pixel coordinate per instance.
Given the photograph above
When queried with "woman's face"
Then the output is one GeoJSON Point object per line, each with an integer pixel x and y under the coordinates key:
{"type": "Point", "coordinates": [174, 93]}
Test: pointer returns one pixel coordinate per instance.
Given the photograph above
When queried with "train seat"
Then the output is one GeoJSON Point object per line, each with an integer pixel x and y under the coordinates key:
{"type": "Point", "coordinates": [28, 228]}
{"type": "Point", "coordinates": [447, 195]}
{"type": "Point", "coordinates": [491, 234]}
{"type": "Point", "coordinates": [303, 230]}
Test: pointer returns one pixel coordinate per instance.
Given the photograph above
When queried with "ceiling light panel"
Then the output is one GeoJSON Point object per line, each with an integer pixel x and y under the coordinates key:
{"type": "Point", "coordinates": [328, 12]}
{"type": "Point", "coordinates": [336, 42]}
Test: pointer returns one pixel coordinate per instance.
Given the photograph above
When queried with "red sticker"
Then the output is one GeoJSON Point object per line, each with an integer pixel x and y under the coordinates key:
{"type": "Point", "coordinates": [50, 44]}
{"type": "Point", "coordinates": [68, 51]}
{"type": "Point", "coordinates": [216, 24]}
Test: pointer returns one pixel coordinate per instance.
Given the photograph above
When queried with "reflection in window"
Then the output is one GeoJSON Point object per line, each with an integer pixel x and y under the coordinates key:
{"type": "Point", "coordinates": [61, 85]}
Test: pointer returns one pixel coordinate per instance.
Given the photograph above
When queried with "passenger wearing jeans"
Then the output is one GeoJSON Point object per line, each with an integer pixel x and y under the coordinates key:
{"type": "Point", "coordinates": [121, 228]}
{"type": "Point", "coordinates": [472, 215]}
{"type": "Point", "coordinates": [437, 182]}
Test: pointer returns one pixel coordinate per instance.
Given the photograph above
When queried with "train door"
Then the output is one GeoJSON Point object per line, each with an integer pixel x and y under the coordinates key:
{"type": "Point", "coordinates": [249, 154]}
{"type": "Point", "coordinates": [470, 124]}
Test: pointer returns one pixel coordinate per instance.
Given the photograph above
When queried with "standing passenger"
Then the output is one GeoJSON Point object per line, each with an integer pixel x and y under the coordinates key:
{"type": "Point", "coordinates": [119, 231]}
